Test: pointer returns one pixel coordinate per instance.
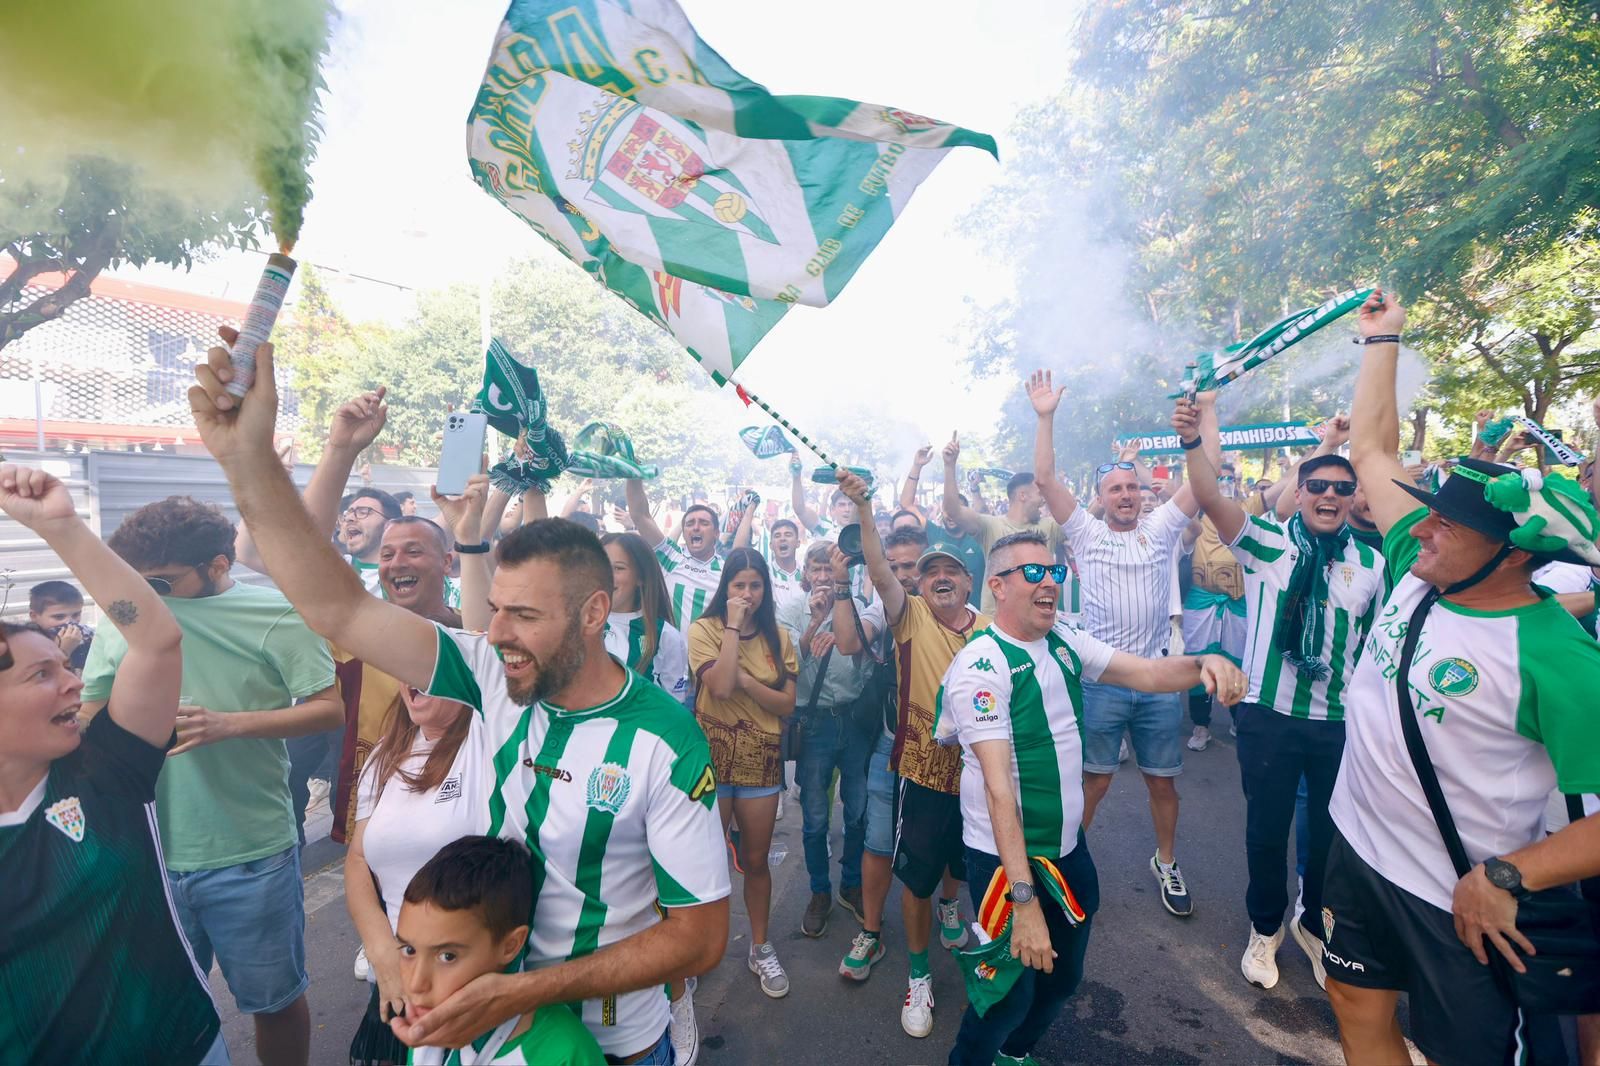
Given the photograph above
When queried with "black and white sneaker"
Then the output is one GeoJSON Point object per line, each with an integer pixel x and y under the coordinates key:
{"type": "Point", "coordinates": [1174, 893]}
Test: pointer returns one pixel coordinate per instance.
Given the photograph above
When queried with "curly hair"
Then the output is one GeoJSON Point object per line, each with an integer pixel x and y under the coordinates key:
{"type": "Point", "coordinates": [178, 529]}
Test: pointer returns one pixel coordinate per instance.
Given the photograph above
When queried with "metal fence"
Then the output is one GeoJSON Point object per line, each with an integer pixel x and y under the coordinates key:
{"type": "Point", "coordinates": [108, 486]}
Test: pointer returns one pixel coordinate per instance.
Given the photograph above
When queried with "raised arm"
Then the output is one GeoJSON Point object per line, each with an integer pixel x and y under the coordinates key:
{"type": "Point", "coordinates": [570, 506]}
{"type": "Point", "coordinates": [465, 519]}
{"type": "Point", "coordinates": [1225, 514]}
{"type": "Point", "coordinates": [741, 535]}
{"type": "Point", "coordinates": [144, 695]}
{"type": "Point", "coordinates": [883, 579]}
{"type": "Point", "coordinates": [958, 512]}
{"type": "Point", "coordinates": [300, 558]}
{"type": "Point", "coordinates": [1374, 417]}
{"type": "Point", "coordinates": [803, 511]}
{"type": "Point", "coordinates": [1045, 398]}
{"type": "Point", "coordinates": [908, 490]}
{"type": "Point", "coordinates": [639, 511]}
{"type": "Point", "coordinates": [848, 626]}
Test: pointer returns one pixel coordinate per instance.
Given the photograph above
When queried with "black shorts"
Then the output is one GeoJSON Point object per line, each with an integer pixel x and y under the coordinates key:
{"type": "Point", "coordinates": [927, 839]}
{"type": "Point", "coordinates": [1381, 936]}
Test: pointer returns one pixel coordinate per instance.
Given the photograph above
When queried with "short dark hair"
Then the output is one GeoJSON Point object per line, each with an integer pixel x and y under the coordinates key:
{"type": "Point", "coordinates": [586, 520]}
{"type": "Point", "coordinates": [178, 529]}
{"type": "Point", "coordinates": [901, 537]}
{"type": "Point", "coordinates": [583, 562]}
{"type": "Point", "coordinates": [791, 523]}
{"type": "Point", "coordinates": [903, 512]}
{"type": "Point", "coordinates": [1018, 481]}
{"type": "Point", "coordinates": [1317, 462]}
{"type": "Point", "coordinates": [838, 494]}
{"type": "Point", "coordinates": [439, 534]}
{"type": "Point", "coordinates": [491, 876]}
{"type": "Point", "coordinates": [716, 519]}
{"type": "Point", "coordinates": [1012, 540]}
{"type": "Point", "coordinates": [404, 495]}
{"type": "Point", "coordinates": [53, 593]}
{"type": "Point", "coordinates": [386, 503]}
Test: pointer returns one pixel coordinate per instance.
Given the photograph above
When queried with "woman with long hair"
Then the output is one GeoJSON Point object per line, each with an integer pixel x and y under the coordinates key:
{"type": "Point", "coordinates": [97, 967]}
{"type": "Point", "coordinates": [426, 783]}
{"type": "Point", "coordinates": [745, 668]}
{"type": "Point", "coordinates": [641, 631]}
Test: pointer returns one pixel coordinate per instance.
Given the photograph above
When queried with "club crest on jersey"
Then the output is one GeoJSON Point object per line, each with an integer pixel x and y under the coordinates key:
{"type": "Point", "coordinates": [1349, 575]}
{"type": "Point", "coordinates": [67, 816]}
{"type": "Point", "coordinates": [1453, 677]}
{"type": "Point", "coordinates": [1327, 925]}
{"type": "Point", "coordinates": [609, 785]}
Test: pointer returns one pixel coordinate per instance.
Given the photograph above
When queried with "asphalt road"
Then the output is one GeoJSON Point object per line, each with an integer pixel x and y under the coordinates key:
{"type": "Point", "coordinates": [1157, 989]}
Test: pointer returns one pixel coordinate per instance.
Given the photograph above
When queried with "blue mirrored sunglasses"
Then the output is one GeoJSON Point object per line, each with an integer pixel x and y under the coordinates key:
{"type": "Point", "coordinates": [1033, 573]}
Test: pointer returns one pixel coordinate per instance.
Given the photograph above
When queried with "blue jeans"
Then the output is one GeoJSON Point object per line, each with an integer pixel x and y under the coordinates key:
{"type": "Point", "coordinates": [1154, 718]}
{"type": "Point", "coordinates": [829, 742]}
{"type": "Point", "coordinates": [660, 1055]}
{"type": "Point", "coordinates": [1017, 1022]}
{"type": "Point", "coordinates": [883, 786]}
{"type": "Point", "coordinates": [252, 917]}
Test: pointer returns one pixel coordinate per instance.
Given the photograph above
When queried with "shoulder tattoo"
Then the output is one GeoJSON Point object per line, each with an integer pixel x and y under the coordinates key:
{"type": "Point", "coordinates": [123, 612]}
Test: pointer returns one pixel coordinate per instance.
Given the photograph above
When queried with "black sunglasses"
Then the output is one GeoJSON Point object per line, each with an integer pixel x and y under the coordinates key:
{"type": "Point", "coordinates": [1105, 468]}
{"type": "Point", "coordinates": [1033, 573]}
{"type": "Point", "coordinates": [162, 586]}
{"type": "Point", "coordinates": [1317, 486]}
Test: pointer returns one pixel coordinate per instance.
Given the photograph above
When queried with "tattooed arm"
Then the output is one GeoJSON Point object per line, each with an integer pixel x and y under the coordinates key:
{"type": "Point", "coordinates": [144, 696]}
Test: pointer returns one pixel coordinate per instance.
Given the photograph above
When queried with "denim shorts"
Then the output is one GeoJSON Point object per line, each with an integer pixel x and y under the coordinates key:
{"type": "Point", "coordinates": [660, 1055]}
{"type": "Point", "coordinates": [252, 918]}
{"type": "Point", "coordinates": [881, 789]}
{"type": "Point", "coordinates": [747, 792]}
{"type": "Point", "coordinates": [1154, 718]}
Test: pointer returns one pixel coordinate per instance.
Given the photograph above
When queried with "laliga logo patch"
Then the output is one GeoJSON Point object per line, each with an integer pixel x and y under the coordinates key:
{"type": "Point", "coordinates": [609, 785]}
{"type": "Point", "coordinates": [1453, 677]}
{"type": "Point", "coordinates": [983, 702]}
{"type": "Point", "coordinates": [67, 816]}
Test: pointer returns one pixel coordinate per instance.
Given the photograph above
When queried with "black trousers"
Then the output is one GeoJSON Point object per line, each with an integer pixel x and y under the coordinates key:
{"type": "Point", "coordinates": [1275, 750]}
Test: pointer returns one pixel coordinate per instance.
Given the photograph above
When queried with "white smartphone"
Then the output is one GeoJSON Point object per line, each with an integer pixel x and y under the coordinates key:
{"type": "Point", "coordinates": [1410, 458]}
{"type": "Point", "coordinates": [461, 455]}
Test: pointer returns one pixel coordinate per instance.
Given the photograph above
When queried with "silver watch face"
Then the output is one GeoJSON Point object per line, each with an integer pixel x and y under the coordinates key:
{"type": "Point", "coordinates": [1021, 892]}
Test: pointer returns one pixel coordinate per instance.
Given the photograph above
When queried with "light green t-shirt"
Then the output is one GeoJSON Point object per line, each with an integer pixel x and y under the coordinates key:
{"type": "Point", "coordinates": [556, 1038]}
{"type": "Point", "coordinates": [244, 649]}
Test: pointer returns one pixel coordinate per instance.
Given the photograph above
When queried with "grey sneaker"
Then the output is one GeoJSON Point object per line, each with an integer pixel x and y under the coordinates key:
{"type": "Point", "coordinates": [763, 962]}
{"type": "Point", "coordinates": [864, 953]}
{"type": "Point", "coordinates": [850, 900]}
{"type": "Point", "coordinates": [1174, 892]}
{"type": "Point", "coordinates": [815, 922]}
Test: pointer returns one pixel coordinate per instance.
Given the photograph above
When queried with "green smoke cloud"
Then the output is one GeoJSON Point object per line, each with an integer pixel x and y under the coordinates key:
{"type": "Point", "coordinates": [213, 102]}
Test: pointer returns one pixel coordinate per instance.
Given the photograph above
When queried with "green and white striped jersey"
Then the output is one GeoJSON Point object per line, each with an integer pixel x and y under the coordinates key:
{"type": "Point", "coordinates": [556, 1038]}
{"type": "Point", "coordinates": [617, 803]}
{"type": "Point", "coordinates": [1030, 694]}
{"type": "Point", "coordinates": [1355, 591]}
{"type": "Point", "coordinates": [691, 582]}
{"type": "Point", "coordinates": [669, 669]}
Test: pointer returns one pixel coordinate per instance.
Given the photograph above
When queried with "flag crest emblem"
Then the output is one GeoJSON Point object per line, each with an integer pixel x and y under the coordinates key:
{"type": "Point", "coordinates": [67, 816]}
{"type": "Point", "coordinates": [609, 785]}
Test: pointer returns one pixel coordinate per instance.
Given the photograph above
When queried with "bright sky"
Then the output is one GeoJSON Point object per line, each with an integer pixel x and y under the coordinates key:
{"type": "Point", "coordinates": [393, 200]}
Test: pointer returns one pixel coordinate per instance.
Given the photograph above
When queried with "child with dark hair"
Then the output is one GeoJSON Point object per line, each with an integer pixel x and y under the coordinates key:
{"type": "Point", "coordinates": [57, 608]}
{"type": "Point", "coordinates": [465, 915]}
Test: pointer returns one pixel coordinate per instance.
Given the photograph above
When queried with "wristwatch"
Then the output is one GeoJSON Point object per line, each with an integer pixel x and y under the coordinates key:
{"type": "Point", "coordinates": [1502, 874]}
{"type": "Point", "coordinates": [1021, 893]}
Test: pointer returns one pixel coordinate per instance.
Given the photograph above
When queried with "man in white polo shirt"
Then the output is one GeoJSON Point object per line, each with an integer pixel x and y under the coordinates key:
{"type": "Point", "coordinates": [1126, 564]}
{"type": "Point", "coordinates": [1500, 685]}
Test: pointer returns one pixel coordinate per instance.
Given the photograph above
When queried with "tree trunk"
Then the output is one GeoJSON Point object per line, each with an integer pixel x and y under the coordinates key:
{"type": "Point", "coordinates": [96, 254]}
{"type": "Point", "coordinates": [1419, 428]}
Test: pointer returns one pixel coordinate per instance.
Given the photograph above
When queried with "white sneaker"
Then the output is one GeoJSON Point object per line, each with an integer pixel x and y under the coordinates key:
{"type": "Point", "coordinates": [1260, 962]}
{"type": "Point", "coordinates": [317, 793]}
{"type": "Point", "coordinates": [1313, 949]}
{"type": "Point", "coordinates": [1199, 739]}
{"type": "Point", "coordinates": [685, 1030]}
{"type": "Point", "coordinates": [763, 962]}
{"type": "Point", "coordinates": [363, 967]}
{"type": "Point", "coordinates": [916, 1017]}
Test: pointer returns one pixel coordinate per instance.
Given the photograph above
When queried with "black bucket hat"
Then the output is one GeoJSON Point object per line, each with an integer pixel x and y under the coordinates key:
{"type": "Point", "coordinates": [1461, 499]}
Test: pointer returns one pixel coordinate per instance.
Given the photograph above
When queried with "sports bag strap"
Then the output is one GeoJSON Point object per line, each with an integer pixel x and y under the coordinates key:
{"type": "Point", "coordinates": [1414, 743]}
{"type": "Point", "coordinates": [822, 675]}
{"type": "Point", "coordinates": [1574, 808]}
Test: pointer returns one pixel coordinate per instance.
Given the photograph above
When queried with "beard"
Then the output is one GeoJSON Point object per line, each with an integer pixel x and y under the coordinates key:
{"type": "Point", "coordinates": [552, 673]}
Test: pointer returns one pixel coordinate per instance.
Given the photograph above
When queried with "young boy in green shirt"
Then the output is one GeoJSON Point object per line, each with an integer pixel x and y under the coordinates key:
{"type": "Point", "coordinates": [466, 914]}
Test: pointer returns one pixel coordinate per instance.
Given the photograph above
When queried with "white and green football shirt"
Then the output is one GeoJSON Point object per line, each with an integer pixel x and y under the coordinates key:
{"type": "Point", "coordinates": [555, 1038]}
{"type": "Point", "coordinates": [669, 668]}
{"type": "Point", "coordinates": [690, 581]}
{"type": "Point", "coordinates": [1355, 591]}
{"type": "Point", "coordinates": [1030, 694]}
{"type": "Point", "coordinates": [1505, 700]}
{"type": "Point", "coordinates": [617, 803]}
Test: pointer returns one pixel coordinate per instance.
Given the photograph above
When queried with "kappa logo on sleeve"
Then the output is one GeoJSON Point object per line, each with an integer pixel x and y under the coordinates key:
{"type": "Point", "coordinates": [984, 666]}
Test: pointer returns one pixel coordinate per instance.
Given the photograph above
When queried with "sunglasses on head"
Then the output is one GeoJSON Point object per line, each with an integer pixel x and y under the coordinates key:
{"type": "Point", "coordinates": [1105, 468]}
{"type": "Point", "coordinates": [1033, 573]}
{"type": "Point", "coordinates": [1317, 486]}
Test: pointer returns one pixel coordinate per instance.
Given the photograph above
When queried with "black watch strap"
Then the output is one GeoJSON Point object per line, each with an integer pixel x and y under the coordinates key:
{"type": "Point", "coordinates": [481, 548]}
{"type": "Point", "coordinates": [1502, 874]}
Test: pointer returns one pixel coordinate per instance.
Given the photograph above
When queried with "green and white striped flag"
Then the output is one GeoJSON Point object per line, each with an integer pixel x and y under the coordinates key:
{"type": "Point", "coordinates": [707, 203]}
{"type": "Point", "coordinates": [1216, 369]}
